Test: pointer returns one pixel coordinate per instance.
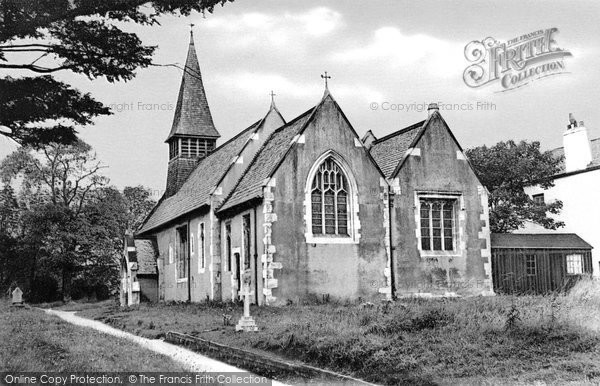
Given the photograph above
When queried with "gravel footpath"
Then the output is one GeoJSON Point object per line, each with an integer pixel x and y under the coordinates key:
{"type": "Point", "coordinates": [193, 361]}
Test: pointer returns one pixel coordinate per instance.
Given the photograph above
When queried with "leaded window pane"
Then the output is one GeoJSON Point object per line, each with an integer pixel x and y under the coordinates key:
{"type": "Point", "coordinates": [329, 200]}
{"type": "Point", "coordinates": [437, 224]}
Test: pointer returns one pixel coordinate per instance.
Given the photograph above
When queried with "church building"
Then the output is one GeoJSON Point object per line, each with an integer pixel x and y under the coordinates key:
{"type": "Point", "coordinates": [309, 209]}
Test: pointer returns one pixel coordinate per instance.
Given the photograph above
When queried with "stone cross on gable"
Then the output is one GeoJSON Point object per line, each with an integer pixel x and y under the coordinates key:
{"type": "Point", "coordinates": [326, 77]}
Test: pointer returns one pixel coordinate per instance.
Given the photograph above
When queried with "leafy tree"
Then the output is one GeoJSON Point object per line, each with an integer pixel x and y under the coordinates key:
{"type": "Point", "coordinates": [57, 183]}
{"type": "Point", "coordinates": [505, 169]}
{"type": "Point", "coordinates": [9, 211]}
{"type": "Point", "coordinates": [105, 218]}
{"type": "Point", "coordinates": [138, 204]}
{"type": "Point", "coordinates": [64, 173]}
{"type": "Point", "coordinates": [82, 36]}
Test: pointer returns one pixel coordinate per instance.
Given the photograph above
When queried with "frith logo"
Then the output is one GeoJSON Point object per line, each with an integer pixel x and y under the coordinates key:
{"type": "Point", "coordinates": [514, 63]}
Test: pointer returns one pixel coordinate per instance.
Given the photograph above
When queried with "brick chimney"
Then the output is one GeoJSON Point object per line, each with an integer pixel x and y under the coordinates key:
{"type": "Point", "coordinates": [578, 153]}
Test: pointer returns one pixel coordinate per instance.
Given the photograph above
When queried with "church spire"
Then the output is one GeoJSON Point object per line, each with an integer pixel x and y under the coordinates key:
{"type": "Point", "coordinates": [192, 114]}
{"type": "Point", "coordinates": [193, 134]}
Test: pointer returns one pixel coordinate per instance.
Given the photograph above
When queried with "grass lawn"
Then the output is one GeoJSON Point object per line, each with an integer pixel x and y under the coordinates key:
{"type": "Point", "coordinates": [34, 341]}
{"type": "Point", "coordinates": [502, 340]}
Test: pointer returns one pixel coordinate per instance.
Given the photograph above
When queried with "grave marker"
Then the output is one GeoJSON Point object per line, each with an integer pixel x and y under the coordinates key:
{"type": "Point", "coordinates": [17, 296]}
{"type": "Point", "coordinates": [246, 322]}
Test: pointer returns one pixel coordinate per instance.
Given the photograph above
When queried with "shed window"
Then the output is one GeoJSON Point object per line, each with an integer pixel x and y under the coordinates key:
{"type": "Point", "coordinates": [574, 264]}
{"type": "Point", "coordinates": [437, 224]}
{"type": "Point", "coordinates": [530, 264]}
{"type": "Point", "coordinates": [538, 198]}
{"type": "Point", "coordinates": [329, 200]}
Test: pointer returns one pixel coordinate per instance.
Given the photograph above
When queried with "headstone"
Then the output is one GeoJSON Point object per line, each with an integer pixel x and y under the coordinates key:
{"type": "Point", "coordinates": [17, 296]}
{"type": "Point", "coordinates": [246, 322]}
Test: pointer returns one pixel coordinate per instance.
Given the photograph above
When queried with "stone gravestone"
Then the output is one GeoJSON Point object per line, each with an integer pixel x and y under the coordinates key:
{"type": "Point", "coordinates": [246, 322]}
{"type": "Point", "coordinates": [17, 296]}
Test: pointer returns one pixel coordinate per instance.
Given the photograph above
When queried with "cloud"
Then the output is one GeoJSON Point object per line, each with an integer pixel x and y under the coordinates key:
{"type": "Point", "coordinates": [318, 21]}
{"type": "Point", "coordinates": [258, 84]}
{"type": "Point", "coordinates": [255, 29]}
{"type": "Point", "coordinates": [390, 47]}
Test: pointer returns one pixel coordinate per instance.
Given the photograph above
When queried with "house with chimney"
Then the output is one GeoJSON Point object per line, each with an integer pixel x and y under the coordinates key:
{"type": "Point", "coordinates": [577, 186]}
{"type": "Point", "coordinates": [307, 208]}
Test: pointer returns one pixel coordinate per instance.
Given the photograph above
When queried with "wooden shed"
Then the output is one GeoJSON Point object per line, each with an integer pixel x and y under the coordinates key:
{"type": "Point", "coordinates": [538, 263]}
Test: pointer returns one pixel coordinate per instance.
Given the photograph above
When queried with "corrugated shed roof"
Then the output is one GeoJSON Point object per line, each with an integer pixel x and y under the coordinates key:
{"type": "Point", "coordinates": [146, 253]}
{"type": "Point", "coordinates": [196, 190]}
{"type": "Point", "coordinates": [388, 151]}
{"type": "Point", "coordinates": [267, 158]}
{"type": "Point", "coordinates": [192, 114]}
{"type": "Point", "coordinates": [538, 241]}
{"type": "Point", "coordinates": [595, 145]}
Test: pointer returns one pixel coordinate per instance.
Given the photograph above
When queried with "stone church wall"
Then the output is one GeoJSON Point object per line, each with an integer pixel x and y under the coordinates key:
{"type": "Point", "coordinates": [336, 269]}
{"type": "Point", "coordinates": [437, 168]}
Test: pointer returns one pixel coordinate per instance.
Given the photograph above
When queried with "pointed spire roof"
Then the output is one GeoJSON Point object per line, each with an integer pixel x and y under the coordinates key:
{"type": "Point", "coordinates": [192, 114]}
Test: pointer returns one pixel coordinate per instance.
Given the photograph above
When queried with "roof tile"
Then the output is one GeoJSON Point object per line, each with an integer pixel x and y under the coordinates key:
{"type": "Point", "coordinates": [266, 159]}
{"type": "Point", "coordinates": [196, 190]}
{"type": "Point", "coordinates": [192, 115]}
{"type": "Point", "coordinates": [538, 241]}
{"type": "Point", "coordinates": [388, 151]}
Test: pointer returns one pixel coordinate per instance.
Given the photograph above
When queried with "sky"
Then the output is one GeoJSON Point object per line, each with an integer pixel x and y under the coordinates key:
{"type": "Point", "coordinates": [385, 58]}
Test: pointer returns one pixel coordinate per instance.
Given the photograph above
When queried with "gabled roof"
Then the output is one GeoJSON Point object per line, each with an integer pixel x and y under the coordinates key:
{"type": "Point", "coordinates": [538, 241]}
{"type": "Point", "coordinates": [192, 115]}
{"type": "Point", "coordinates": [266, 160]}
{"type": "Point", "coordinates": [272, 154]}
{"type": "Point", "coordinates": [196, 190]}
{"type": "Point", "coordinates": [595, 146]}
{"type": "Point", "coordinates": [388, 151]}
{"type": "Point", "coordinates": [146, 251]}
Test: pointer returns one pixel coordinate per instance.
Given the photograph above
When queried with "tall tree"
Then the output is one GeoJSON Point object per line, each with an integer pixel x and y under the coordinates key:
{"type": "Point", "coordinates": [84, 37]}
{"type": "Point", "coordinates": [57, 183]}
{"type": "Point", "coordinates": [65, 173]}
{"type": "Point", "coordinates": [506, 169]}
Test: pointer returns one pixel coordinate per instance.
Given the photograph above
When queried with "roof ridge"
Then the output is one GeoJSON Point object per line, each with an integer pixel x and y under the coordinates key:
{"type": "Point", "coordinates": [214, 152]}
{"type": "Point", "coordinates": [217, 149]}
{"type": "Point", "coordinates": [292, 121]}
{"type": "Point", "coordinates": [256, 126]}
{"type": "Point", "coordinates": [401, 131]}
{"type": "Point", "coordinates": [258, 153]}
{"type": "Point", "coordinates": [201, 162]}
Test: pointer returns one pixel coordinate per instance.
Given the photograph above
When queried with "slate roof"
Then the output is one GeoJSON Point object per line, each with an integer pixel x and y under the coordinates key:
{"type": "Point", "coordinates": [388, 151]}
{"type": "Point", "coordinates": [595, 145]}
{"type": "Point", "coordinates": [538, 241]}
{"type": "Point", "coordinates": [192, 115]}
{"type": "Point", "coordinates": [195, 191]}
{"type": "Point", "coordinates": [266, 160]}
{"type": "Point", "coordinates": [146, 253]}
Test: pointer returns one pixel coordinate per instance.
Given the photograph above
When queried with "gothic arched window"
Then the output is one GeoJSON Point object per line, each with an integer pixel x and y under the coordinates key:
{"type": "Point", "coordinates": [329, 200]}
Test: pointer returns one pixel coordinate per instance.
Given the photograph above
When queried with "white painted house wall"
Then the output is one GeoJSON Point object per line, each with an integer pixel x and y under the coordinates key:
{"type": "Point", "coordinates": [578, 189]}
{"type": "Point", "coordinates": [581, 209]}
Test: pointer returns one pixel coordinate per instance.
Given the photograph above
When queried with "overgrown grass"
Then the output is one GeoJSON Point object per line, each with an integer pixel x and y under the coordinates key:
{"type": "Point", "coordinates": [34, 341]}
{"type": "Point", "coordinates": [553, 339]}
